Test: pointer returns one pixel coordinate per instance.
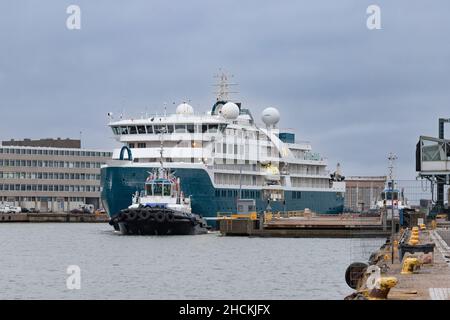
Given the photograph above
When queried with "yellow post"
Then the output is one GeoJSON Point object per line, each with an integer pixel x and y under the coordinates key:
{"type": "Point", "coordinates": [409, 265]}
{"type": "Point", "coordinates": [433, 224]}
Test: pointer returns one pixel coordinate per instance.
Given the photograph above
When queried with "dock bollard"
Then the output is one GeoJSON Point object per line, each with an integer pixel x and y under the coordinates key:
{"type": "Point", "coordinates": [409, 265]}
{"type": "Point", "coordinates": [433, 224]}
{"type": "Point", "coordinates": [414, 239]}
{"type": "Point", "coordinates": [385, 285]}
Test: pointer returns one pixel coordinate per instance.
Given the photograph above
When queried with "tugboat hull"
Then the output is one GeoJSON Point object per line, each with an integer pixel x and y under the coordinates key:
{"type": "Point", "coordinates": [157, 221]}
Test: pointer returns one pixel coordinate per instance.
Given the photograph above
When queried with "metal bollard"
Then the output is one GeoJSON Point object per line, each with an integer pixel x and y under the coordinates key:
{"type": "Point", "coordinates": [409, 265]}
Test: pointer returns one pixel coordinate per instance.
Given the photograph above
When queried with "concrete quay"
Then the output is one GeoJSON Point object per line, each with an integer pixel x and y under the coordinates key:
{"type": "Point", "coordinates": [422, 277]}
{"type": "Point", "coordinates": [52, 217]}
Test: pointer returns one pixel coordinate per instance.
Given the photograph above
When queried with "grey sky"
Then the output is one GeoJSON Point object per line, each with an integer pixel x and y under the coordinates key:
{"type": "Point", "coordinates": [355, 94]}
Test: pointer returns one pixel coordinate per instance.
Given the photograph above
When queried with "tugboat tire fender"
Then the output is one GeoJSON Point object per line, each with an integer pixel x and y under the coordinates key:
{"type": "Point", "coordinates": [131, 216]}
{"type": "Point", "coordinates": [159, 217]}
{"type": "Point", "coordinates": [170, 217]}
{"type": "Point", "coordinates": [144, 214]}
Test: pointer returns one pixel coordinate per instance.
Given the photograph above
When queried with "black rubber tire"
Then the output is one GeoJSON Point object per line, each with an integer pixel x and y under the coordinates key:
{"type": "Point", "coordinates": [131, 216]}
{"type": "Point", "coordinates": [143, 214]}
{"type": "Point", "coordinates": [354, 273]}
{"type": "Point", "coordinates": [170, 217]}
{"type": "Point", "coordinates": [160, 217]}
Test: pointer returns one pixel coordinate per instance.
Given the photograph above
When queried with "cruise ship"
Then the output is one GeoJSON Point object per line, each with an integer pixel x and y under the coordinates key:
{"type": "Point", "coordinates": [220, 156]}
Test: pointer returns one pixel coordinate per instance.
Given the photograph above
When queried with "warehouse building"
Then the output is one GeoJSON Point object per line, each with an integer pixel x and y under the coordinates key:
{"type": "Point", "coordinates": [362, 192]}
{"type": "Point", "coordinates": [50, 175]}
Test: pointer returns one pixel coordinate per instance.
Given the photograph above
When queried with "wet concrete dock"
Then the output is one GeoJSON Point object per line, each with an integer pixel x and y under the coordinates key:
{"type": "Point", "coordinates": [429, 281]}
{"type": "Point", "coordinates": [342, 226]}
{"type": "Point", "coordinates": [52, 217]}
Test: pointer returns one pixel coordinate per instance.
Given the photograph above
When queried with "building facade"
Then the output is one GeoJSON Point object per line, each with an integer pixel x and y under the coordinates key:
{"type": "Point", "coordinates": [362, 192]}
{"type": "Point", "coordinates": [50, 179]}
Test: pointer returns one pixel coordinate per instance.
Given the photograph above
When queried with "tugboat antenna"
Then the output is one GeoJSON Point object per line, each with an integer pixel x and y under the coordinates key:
{"type": "Point", "coordinates": [392, 157]}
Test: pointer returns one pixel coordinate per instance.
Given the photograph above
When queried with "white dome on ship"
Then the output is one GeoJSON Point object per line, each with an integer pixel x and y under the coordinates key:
{"type": "Point", "coordinates": [184, 108]}
{"type": "Point", "coordinates": [230, 111]}
{"type": "Point", "coordinates": [270, 116]}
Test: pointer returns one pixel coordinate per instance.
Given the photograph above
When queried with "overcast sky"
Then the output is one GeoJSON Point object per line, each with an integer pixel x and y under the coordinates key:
{"type": "Point", "coordinates": [356, 94]}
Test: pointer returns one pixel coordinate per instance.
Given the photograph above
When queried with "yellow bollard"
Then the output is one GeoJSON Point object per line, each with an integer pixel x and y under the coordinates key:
{"type": "Point", "coordinates": [423, 226]}
{"type": "Point", "coordinates": [385, 285]}
{"type": "Point", "coordinates": [433, 224]}
{"type": "Point", "coordinates": [414, 239]}
{"type": "Point", "coordinates": [409, 265]}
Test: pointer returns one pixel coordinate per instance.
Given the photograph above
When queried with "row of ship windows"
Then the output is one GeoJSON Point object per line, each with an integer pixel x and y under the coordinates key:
{"type": "Point", "coordinates": [168, 128]}
{"type": "Point", "coordinates": [33, 199]}
{"type": "Point", "coordinates": [249, 194]}
{"type": "Point", "coordinates": [246, 194]}
{"type": "Point", "coordinates": [49, 188]}
{"type": "Point", "coordinates": [49, 176]}
{"type": "Point", "coordinates": [186, 128]}
{"type": "Point", "coordinates": [50, 164]}
{"type": "Point", "coordinates": [56, 152]}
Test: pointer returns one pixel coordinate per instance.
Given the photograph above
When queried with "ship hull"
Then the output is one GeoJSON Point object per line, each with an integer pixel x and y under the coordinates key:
{"type": "Point", "coordinates": [158, 221]}
{"type": "Point", "coordinates": [119, 183]}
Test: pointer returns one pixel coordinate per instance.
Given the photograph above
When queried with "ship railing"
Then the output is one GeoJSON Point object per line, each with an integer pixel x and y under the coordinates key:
{"type": "Point", "coordinates": [234, 215]}
{"type": "Point", "coordinates": [292, 214]}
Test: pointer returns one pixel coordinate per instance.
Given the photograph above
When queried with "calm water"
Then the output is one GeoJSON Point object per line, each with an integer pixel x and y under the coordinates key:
{"type": "Point", "coordinates": [34, 259]}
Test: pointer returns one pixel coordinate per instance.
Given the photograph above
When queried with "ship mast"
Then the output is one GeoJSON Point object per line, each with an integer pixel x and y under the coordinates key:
{"type": "Point", "coordinates": [223, 86]}
{"type": "Point", "coordinates": [161, 151]}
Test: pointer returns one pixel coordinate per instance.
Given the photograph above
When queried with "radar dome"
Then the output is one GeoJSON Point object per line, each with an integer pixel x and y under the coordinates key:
{"type": "Point", "coordinates": [270, 116]}
{"type": "Point", "coordinates": [230, 111]}
{"type": "Point", "coordinates": [185, 108]}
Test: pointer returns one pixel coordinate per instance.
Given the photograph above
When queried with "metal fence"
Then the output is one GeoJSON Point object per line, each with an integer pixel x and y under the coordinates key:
{"type": "Point", "coordinates": [419, 194]}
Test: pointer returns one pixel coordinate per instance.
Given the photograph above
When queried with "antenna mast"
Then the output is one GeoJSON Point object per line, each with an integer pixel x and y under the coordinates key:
{"type": "Point", "coordinates": [392, 157]}
{"type": "Point", "coordinates": [223, 86]}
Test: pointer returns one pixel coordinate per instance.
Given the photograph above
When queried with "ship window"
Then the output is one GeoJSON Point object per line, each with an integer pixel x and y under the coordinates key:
{"type": "Point", "coordinates": [141, 129]}
{"type": "Point", "coordinates": [131, 145]}
{"type": "Point", "coordinates": [160, 129]}
{"type": "Point", "coordinates": [148, 189]}
{"type": "Point", "coordinates": [180, 128]}
{"type": "Point", "coordinates": [169, 128]}
{"type": "Point", "coordinates": [149, 129]}
{"type": "Point", "coordinates": [204, 128]}
{"type": "Point", "coordinates": [123, 130]}
{"type": "Point", "coordinates": [157, 189]}
{"type": "Point", "coordinates": [213, 128]}
{"type": "Point", "coordinates": [141, 145]}
{"type": "Point", "coordinates": [166, 188]}
{"type": "Point", "coordinates": [388, 196]}
{"type": "Point", "coordinates": [190, 128]}
{"type": "Point", "coordinates": [132, 130]}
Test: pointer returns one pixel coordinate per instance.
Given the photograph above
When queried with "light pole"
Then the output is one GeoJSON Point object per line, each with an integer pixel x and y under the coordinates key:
{"type": "Point", "coordinates": [392, 157]}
